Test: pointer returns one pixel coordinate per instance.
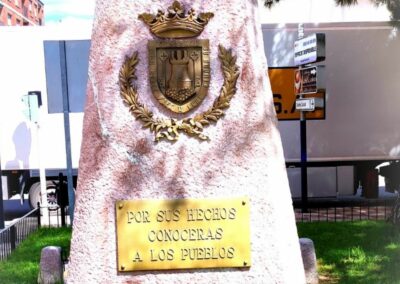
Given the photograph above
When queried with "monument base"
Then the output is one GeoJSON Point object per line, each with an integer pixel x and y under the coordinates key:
{"type": "Point", "coordinates": [242, 157]}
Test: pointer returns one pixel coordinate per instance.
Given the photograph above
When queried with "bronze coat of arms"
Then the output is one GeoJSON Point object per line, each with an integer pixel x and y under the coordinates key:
{"type": "Point", "coordinates": [179, 72]}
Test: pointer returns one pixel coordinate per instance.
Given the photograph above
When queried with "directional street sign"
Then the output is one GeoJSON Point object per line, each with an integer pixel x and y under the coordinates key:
{"type": "Point", "coordinates": [305, 104]}
{"type": "Point", "coordinates": [307, 50]}
{"type": "Point", "coordinates": [309, 104]}
{"type": "Point", "coordinates": [309, 80]}
{"type": "Point", "coordinates": [310, 49]}
{"type": "Point", "coordinates": [285, 97]}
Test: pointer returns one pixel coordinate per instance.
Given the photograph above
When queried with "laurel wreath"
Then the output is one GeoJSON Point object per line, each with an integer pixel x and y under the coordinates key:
{"type": "Point", "coordinates": [170, 128]}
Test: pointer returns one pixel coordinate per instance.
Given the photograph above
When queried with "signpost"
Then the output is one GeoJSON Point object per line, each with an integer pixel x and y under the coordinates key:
{"type": "Point", "coordinates": [305, 104]}
{"type": "Point", "coordinates": [310, 49]}
{"type": "Point", "coordinates": [310, 79]}
{"type": "Point", "coordinates": [285, 95]}
{"type": "Point", "coordinates": [67, 130]}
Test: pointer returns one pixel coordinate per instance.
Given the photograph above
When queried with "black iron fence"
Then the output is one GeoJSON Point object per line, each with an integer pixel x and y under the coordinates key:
{"type": "Point", "coordinates": [13, 235]}
{"type": "Point", "coordinates": [336, 211]}
{"type": "Point", "coordinates": [54, 216]}
{"type": "Point", "coordinates": [16, 232]}
{"type": "Point", "coordinates": [329, 211]}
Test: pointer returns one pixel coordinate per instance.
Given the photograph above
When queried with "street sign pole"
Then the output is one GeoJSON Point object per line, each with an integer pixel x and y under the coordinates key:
{"type": "Point", "coordinates": [303, 162]}
{"type": "Point", "coordinates": [67, 131]}
{"type": "Point", "coordinates": [307, 50]}
{"type": "Point", "coordinates": [303, 146]}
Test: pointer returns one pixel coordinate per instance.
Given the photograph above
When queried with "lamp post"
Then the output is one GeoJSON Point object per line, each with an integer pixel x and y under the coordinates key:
{"type": "Point", "coordinates": [33, 107]}
{"type": "Point", "coordinates": [1, 201]}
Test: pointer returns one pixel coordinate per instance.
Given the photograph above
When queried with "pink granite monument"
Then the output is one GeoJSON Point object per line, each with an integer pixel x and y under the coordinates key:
{"type": "Point", "coordinates": [173, 120]}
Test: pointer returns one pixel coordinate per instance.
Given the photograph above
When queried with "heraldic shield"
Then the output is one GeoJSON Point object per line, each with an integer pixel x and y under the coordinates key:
{"type": "Point", "coordinates": [179, 72]}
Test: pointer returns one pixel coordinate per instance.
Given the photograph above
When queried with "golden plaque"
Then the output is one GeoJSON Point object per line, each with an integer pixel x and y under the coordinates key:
{"type": "Point", "coordinates": [179, 74]}
{"type": "Point", "coordinates": [183, 234]}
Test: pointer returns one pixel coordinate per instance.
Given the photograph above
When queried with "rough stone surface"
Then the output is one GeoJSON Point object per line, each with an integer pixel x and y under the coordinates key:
{"type": "Point", "coordinates": [120, 160]}
{"type": "Point", "coordinates": [309, 260]}
{"type": "Point", "coordinates": [51, 266]}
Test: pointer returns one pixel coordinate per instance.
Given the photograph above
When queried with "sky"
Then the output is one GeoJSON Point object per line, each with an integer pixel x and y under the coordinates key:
{"type": "Point", "coordinates": [68, 12]}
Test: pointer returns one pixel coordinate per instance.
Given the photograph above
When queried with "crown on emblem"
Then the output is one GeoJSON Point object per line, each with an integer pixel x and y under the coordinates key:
{"type": "Point", "coordinates": [175, 23]}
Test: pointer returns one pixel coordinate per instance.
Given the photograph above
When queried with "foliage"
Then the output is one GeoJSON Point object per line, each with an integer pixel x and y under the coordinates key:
{"type": "Point", "coordinates": [355, 252]}
{"type": "Point", "coordinates": [392, 5]}
{"type": "Point", "coordinates": [23, 264]}
{"type": "Point", "coordinates": [346, 2]}
{"type": "Point", "coordinates": [270, 3]}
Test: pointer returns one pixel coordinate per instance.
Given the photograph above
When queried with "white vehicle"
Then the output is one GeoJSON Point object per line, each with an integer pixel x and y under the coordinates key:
{"type": "Point", "coordinates": [362, 74]}
{"type": "Point", "coordinates": [362, 70]}
{"type": "Point", "coordinates": [30, 59]}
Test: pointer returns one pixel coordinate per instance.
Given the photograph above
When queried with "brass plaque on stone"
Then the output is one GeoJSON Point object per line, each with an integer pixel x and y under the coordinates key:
{"type": "Point", "coordinates": [183, 234]}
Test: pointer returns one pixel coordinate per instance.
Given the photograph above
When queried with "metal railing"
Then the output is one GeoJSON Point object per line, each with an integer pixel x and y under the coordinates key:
{"type": "Point", "coordinates": [54, 216]}
{"type": "Point", "coordinates": [13, 235]}
{"type": "Point", "coordinates": [337, 212]}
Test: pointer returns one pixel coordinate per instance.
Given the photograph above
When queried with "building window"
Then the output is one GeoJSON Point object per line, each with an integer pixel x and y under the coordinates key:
{"type": "Point", "coordinates": [30, 5]}
{"type": "Point", "coordinates": [17, 3]}
{"type": "Point", "coordinates": [9, 19]}
{"type": "Point", "coordinates": [18, 22]}
{"type": "Point", "coordinates": [35, 10]}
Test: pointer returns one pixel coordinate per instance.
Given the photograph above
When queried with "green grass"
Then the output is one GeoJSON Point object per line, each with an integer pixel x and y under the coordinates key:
{"type": "Point", "coordinates": [355, 252]}
{"type": "Point", "coordinates": [22, 266]}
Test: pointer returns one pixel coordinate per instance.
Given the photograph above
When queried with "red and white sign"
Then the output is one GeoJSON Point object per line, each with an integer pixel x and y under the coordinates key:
{"type": "Point", "coordinates": [309, 80]}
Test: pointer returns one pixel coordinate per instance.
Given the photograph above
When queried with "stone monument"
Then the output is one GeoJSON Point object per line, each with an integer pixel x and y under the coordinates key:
{"type": "Point", "coordinates": [182, 176]}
